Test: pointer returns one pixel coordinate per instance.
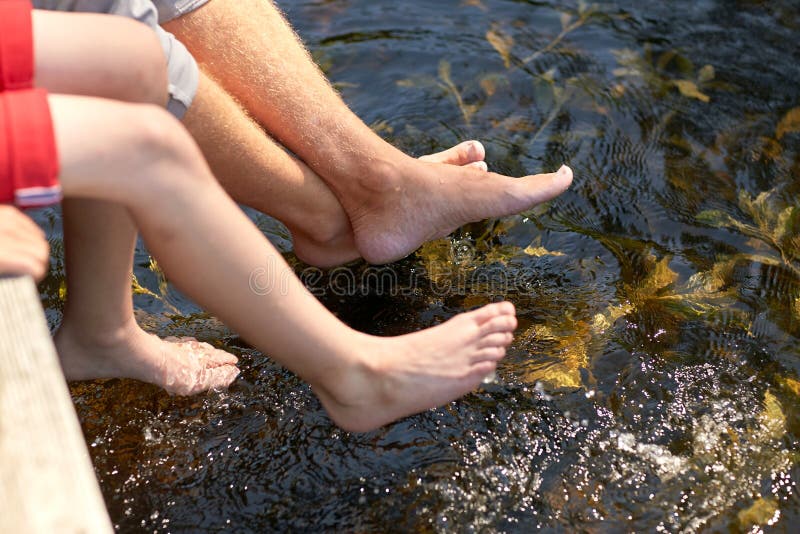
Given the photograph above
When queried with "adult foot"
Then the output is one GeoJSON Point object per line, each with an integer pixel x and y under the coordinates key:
{"type": "Point", "coordinates": [401, 376]}
{"type": "Point", "coordinates": [396, 209]}
{"type": "Point", "coordinates": [331, 242]}
{"type": "Point", "coordinates": [182, 366]}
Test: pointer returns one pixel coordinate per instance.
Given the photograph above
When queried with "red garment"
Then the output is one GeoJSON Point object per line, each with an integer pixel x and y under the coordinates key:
{"type": "Point", "coordinates": [16, 45]}
{"type": "Point", "coordinates": [28, 156]}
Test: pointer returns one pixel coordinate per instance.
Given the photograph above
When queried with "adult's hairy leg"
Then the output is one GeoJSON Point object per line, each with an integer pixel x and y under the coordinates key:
{"type": "Point", "coordinates": [394, 202]}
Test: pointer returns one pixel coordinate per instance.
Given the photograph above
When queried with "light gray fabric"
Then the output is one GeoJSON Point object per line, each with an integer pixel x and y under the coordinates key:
{"type": "Point", "coordinates": [183, 74]}
{"type": "Point", "coordinates": [172, 9]}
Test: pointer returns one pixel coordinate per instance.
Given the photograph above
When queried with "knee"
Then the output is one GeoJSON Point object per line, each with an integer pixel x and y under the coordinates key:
{"type": "Point", "coordinates": [159, 138]}
{"type": "Point", "coordinates": [173, 161]}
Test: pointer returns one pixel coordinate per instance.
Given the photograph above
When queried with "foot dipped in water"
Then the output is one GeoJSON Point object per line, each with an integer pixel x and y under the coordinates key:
{"type": "Point", "coordinates": [330, 242]}
{"type": "Point", "coordinates": [399, 206]}
{"type": "Point", "coordinates": [395, 377]}
{"type": "Point", "coordinates": [182, 366]}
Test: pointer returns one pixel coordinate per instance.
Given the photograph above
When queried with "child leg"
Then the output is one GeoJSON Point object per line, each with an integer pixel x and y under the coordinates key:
{"type": "Point", "coordinates": [140, 157]}
{"type": "Point", "coordinates": [99, 337]}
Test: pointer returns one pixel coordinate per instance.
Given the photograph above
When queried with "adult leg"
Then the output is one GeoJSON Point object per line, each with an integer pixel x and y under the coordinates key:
{"type": "Point", "coordinates": [99, 337]}
{"type": "Point", "coordinates": [187, 219]}
{"type": "Point", "coordinates": [257, 172]}
{"type": "Point", "coordinates": [394, 202]}
{"type": "Point", "coordinates": [260, 174]}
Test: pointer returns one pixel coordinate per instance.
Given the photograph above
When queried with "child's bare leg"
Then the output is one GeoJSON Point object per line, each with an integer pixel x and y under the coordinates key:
{"type": "Point", "coordinates": [216, 255]}
{"type": "Point", "coordinates": [99, 337]}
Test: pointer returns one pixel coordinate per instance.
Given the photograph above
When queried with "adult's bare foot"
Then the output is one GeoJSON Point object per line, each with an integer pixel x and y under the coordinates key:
{"type": "Point", "coordinates": [402, 205]}
{"type": "Point", "coordinates": [331, 242]}
{"type": "Point", "coordinates": [182, 366]}
{"type": "Point", "coordinates": [401, 376]}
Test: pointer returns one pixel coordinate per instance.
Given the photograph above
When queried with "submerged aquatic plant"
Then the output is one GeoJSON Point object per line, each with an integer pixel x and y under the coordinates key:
{"type": "Point", "coordinates": [771, 218]}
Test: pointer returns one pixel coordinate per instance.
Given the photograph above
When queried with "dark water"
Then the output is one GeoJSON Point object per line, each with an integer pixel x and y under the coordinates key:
{"type": "Point", "coordinates": [653, 382]}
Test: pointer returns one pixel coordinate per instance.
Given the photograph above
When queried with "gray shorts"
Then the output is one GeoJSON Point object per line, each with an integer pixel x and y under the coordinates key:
{"type": "Point", "coordinates": [184, 75]}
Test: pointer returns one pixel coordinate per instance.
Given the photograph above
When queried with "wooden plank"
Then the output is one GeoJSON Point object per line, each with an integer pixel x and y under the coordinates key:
{"type": "Point", "coordinates": [47, 483]}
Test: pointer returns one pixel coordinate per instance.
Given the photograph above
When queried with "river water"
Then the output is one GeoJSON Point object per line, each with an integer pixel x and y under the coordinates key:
{"type": "Point", "coordinates": [653, 382]}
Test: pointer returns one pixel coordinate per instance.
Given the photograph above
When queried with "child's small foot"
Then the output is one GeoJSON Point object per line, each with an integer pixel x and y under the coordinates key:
{"type": "Point", "coordinates": [401, 376]}
{"type": "Point", "coordinates": [181, 366]}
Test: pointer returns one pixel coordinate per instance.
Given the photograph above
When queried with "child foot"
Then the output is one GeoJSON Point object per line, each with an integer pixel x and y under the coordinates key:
{"type": "Point", "coordinates": [182, 366]}
{"type": "Point", "coordinates": [401, 376]}
{"type": "Point", "coordinates": [333, 242]}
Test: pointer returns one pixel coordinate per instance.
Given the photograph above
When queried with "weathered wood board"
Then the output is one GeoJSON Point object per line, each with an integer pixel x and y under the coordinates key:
{"type": "Point", "coordinates": [47, 483]}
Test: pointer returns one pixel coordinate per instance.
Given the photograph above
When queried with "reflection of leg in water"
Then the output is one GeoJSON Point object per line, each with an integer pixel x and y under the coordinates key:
{"type": "Point", "coordinates": [210, 249]}
{"type": "Point", "coordinates": [394, 202]}
{"type": "Point", "coordinates": [99, 337]}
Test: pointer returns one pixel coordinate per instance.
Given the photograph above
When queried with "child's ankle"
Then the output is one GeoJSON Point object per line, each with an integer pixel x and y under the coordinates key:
{"type": "Point", "coordinates": [110, 334]}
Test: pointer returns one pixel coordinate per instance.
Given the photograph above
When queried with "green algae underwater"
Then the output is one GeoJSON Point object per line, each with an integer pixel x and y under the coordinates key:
{"type": "Point", "coordinates": [654, 381]}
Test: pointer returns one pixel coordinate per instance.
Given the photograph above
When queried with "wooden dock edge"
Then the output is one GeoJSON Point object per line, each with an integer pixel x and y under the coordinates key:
{"type": "Point", "coordinates": [47, 482]}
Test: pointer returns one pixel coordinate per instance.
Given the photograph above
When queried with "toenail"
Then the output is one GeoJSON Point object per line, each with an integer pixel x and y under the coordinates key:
{"type": "Point", "coordinates": [472, 151]}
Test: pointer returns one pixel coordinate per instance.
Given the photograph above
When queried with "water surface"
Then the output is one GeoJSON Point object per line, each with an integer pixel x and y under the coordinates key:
{"type": "Point", "coordinates": [653, 382]}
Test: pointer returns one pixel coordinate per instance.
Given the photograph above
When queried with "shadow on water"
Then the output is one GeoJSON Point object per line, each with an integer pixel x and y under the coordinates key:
{"type": "Point", "coordinates": [653, 382]}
